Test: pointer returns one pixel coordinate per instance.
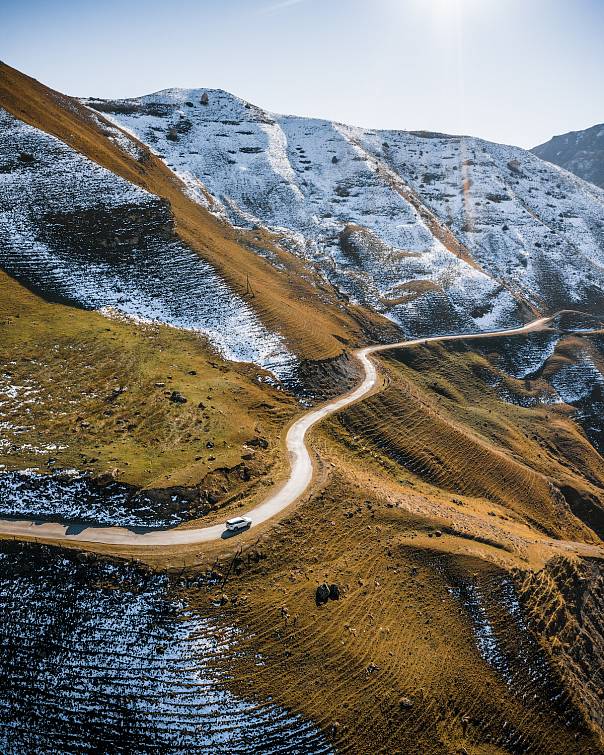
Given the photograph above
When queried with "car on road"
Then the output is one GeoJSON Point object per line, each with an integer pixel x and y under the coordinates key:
{"type": "Point", "coordinates": [238, 523]}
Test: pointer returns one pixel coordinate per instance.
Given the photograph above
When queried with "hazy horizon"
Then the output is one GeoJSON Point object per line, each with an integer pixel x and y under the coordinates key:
{"type": "Point", "coordinates": [497, 70]}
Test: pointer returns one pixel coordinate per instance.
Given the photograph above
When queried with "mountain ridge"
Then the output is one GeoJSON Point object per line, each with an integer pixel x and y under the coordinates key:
{"type": "Point", "coordinates": [580, 152]}
{"type": "Point", "coordinates": [283, 173]}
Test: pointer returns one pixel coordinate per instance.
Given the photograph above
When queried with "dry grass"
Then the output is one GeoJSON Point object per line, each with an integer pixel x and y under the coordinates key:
{"type": "Point", "coordinates": [102, 391]}
{"type": "Point", "coordinates": [439, 421]}
{"type": "Point", "coordinates": [438, 485]}
{"type": "Point", "coordinates": [393, 666]}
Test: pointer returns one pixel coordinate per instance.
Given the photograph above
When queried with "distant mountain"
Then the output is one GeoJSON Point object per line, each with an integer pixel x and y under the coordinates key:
{"type": "Point", "coordinates": [580, 152]}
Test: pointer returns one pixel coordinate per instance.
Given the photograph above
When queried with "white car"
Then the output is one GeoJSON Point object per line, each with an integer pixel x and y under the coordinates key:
{"type": "Point", "coordinates": [238, 523]}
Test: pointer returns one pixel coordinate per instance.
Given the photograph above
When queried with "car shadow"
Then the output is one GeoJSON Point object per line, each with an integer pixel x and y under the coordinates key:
{"type": "Point", "coordinates": [76, 529]}
{"type": "Point", "coordinates": [70, 529]}
{"type": "Point", "coordinates": [232, 533]}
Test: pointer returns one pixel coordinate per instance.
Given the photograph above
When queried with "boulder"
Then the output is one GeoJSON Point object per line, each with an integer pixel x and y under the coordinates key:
{"type": "Point", "coordinates": [322, 594]}
{"type": "Point", "coordinates": [334, 592]}
{"type": "Point", "coordinates": [177, 397]}
{"type": "Point", "coordinates": [257, 443]}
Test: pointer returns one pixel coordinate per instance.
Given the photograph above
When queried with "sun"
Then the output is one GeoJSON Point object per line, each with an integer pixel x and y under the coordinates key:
{"type": "Point", "coordinates": [442, 17]}
{"type": "Point", "coordinates": [442, 6]}
{"type": "Point", "coordinates": [440, 9]}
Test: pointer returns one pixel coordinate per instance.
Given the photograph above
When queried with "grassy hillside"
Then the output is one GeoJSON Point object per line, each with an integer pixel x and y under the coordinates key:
{"type": "Point", "coordinates": [460, 568]}
{"type": "Point", "coordinates": [94, 393]}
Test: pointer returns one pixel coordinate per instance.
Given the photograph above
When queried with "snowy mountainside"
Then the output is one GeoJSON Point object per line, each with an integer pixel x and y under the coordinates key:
{"type": "Point", "coordinates": [553, 368]}
{"type": "Point", "coordinates": [91, 644]}
{"type": "Point", "coordinates": [437, 232]}
{"type": "Point", "coordinates": [539, 230]}
{"type": "Point", "coordinates": [78, 233]}
{"type": "Point", "coordinates": [580, 152]}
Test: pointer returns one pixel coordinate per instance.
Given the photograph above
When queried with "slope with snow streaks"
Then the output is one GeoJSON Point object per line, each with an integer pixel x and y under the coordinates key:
{"type": "Point", "coordinates": [102, 652]}
{"type": "Point", "coordinates": [306, 180]}
{"type": "Point", "coordinates": [538, 229]}
{"type": "Point", "coordinates": [437, 232]}
{"type": "Point", "coordinates": [76, 232]}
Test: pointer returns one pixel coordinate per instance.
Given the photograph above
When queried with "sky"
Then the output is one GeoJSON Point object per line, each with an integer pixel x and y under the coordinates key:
{"type": "Point", "coordinates": [512, 71]}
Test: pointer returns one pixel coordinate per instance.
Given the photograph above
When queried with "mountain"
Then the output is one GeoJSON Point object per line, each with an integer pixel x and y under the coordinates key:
{"type": "Point", "coordinates": [70, 219]}
{"type": "Point", "coordinates": [580, 152]}
{"type": "Point", "coordinates": [437, 232]}
{"type": "Point", "coordinates": [184, 274]}
{"type": "Point", "coordinates": [71, 180]}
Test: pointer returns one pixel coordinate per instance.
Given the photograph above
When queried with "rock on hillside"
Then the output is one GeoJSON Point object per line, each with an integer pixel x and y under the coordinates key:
{"type": "Point", "coordinates": [438, 232]}
{"type": "Point", "coordinates": [580, 152]}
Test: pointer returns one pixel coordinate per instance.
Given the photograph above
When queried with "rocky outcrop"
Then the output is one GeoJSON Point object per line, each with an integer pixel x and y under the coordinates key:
{"type": "Point", "coordinates": [322, 594]}
{"type": "Point", "coordinates": [326, 592]}
{"type": "Point", "coordinates": [320, 380]}
{"type": "Point", "coordinates": [564, 603]}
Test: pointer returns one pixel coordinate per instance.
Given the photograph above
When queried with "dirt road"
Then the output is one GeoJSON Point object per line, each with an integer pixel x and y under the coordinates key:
{"type": "Point", "coordinates": [301, 466]}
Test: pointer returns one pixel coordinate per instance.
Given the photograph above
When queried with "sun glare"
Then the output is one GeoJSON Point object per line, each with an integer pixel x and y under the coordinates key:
{"type": "Point", "coordinates": [438, 9]}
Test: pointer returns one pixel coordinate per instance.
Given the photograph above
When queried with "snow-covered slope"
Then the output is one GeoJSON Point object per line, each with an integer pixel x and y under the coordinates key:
{"type": "Point", "coordinates": [581, 152]}
{"type": "Point", "coordinates": [102, 657]}
{"type": "Point", "coordinates": [437, 232]}
{"type": "Point", "coordinates": [78, 233]}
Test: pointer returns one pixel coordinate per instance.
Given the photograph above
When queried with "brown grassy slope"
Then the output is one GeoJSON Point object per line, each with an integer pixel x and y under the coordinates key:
{"type": "Point", "coordinates": [439, 421]}
{"type": "Point", "coordinates": [432, 518]}
{"type": "Point", "coordinates": [394, 665]}
{"type": "Point", "coordinates": [90, 386]}
{"type": "Point", "coordinates": [295, 302]}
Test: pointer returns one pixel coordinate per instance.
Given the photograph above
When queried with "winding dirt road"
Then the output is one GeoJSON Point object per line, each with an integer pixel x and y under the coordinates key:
{"type": "Point", "coordinates": [301, 466]}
